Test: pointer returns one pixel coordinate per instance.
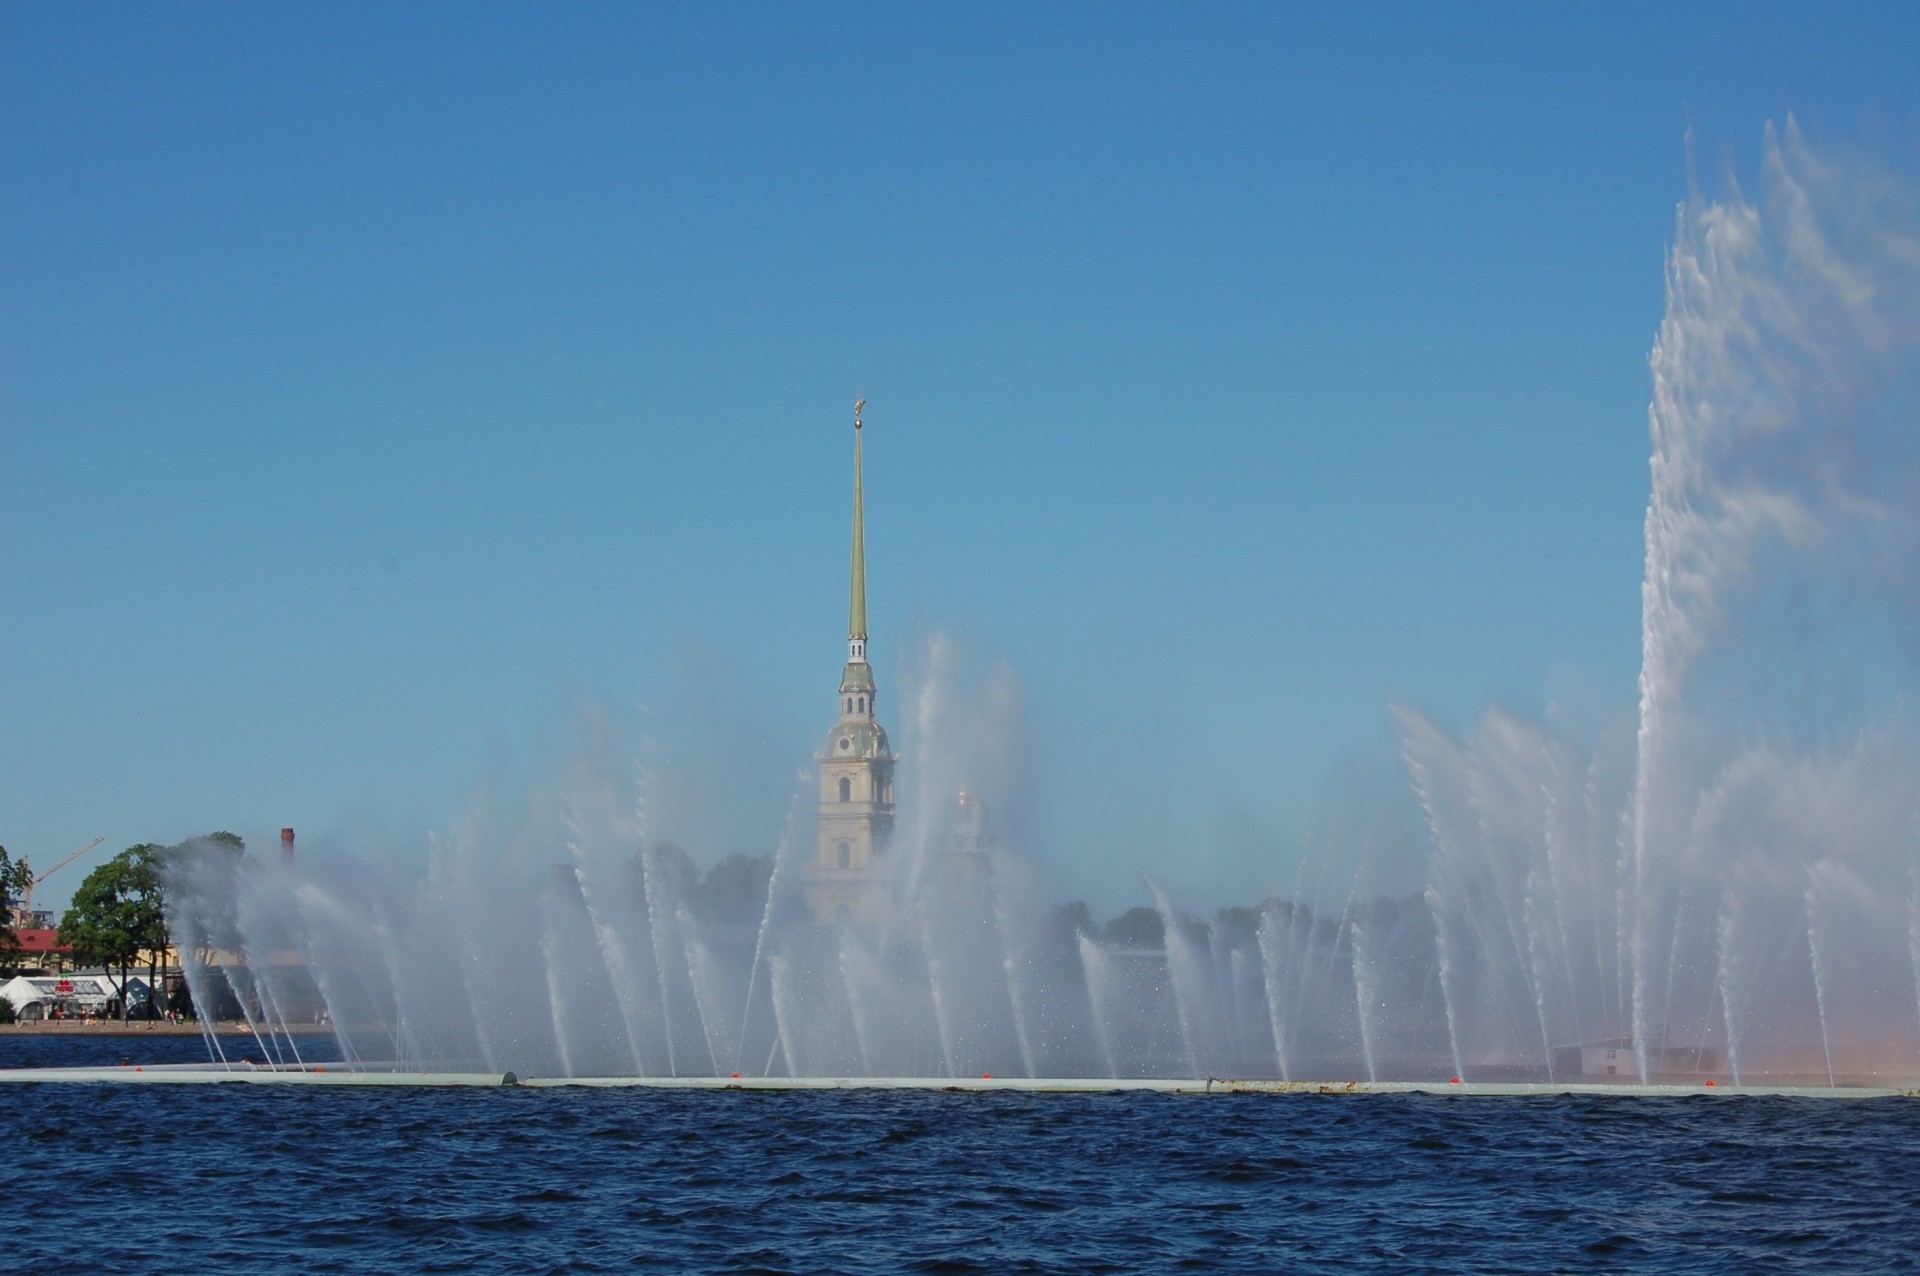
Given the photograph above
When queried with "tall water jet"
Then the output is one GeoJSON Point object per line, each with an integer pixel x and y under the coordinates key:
{"type": "Point", "coordinates": [1724, 949]}
{"type": "Point", "coordinates": [1773, 745]}
{"type": "Point", "coordinates": [1363, 994]}
{"type": "Point", "coordinates": [1093, 964]}
{"type": "Point", "coordinates": [1819, 986]}
{"type": "Point", "coordinates": [1445, 963]}
{"type": "Point", "coordinates": [1913, 946]}
{"type": "Point", "coordinates": [1782, 475]}
{"type": "Point", "coordinates": [1274, 951]}
{"type": "Point", "coordinates": [782, 858]}
{"type": "Point", "coordinates": [1014, 966]}
{"type": "Point", "coordinates": [1185, 980]}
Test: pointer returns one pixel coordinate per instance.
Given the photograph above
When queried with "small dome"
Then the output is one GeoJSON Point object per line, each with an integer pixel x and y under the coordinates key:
{"type": "Point", "coordinates": [856, 740]}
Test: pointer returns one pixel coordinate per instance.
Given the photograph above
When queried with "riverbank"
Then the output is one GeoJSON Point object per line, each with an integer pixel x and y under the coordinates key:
{"type": "Point", "coordinates": [140, 1028]}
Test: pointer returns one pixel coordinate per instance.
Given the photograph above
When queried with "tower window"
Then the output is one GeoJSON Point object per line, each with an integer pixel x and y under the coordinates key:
{"type": "Point", "coordinates": [863, 704]}
{"type": "Point", "coordinates": [846, 789]}
{"type": "Point", "coordinates": [844, 851]}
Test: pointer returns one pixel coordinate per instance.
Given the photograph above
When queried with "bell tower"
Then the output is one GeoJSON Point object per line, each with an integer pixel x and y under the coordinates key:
{"type": "Point", "coordinates": [846, 878]}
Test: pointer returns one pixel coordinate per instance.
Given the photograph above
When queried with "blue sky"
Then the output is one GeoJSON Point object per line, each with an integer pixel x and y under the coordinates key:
{"type": "Point", "coordinates": [378, 381]}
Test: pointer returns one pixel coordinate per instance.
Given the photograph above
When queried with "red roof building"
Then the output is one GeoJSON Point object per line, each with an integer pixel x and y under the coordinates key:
{"type": "Point", "coordinates": [41, 946]}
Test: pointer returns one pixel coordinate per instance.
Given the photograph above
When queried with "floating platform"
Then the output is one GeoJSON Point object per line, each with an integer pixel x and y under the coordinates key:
{"type": "Point", "coordinates": [346, 1075]}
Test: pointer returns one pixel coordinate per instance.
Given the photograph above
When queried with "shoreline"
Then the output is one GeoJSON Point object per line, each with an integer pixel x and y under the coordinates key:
{"type": "Point", "coordinates": [144, 1028]}
{"type": "Point", "coordinates": [330, 1074]}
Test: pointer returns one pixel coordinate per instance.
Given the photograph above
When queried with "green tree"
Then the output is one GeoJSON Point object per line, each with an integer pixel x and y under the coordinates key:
{"type": "Point", "coordinates": [1241, 925]}
{"type": "Point", "coordinates": [222, 841]}
{"type": "Point", "coordinates": [735, 889]}
{"type": "Point", "coordinates": [13, 888]}
{"type": "Point", "coordinates": [1136, 928]}
{"type": "Point", "coordinates": [668, 869]}
{"type": "Point", "coordinates": [1070, 921]}
{"type": "Point", "coordinates": [199, 885]}
{"type": "Point", "coordinates": [119, 911]}
{"type": "Point", "coordinates": [202, 873]}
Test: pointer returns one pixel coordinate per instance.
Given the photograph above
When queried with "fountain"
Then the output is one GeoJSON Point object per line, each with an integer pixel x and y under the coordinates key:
{"type": "Point", "coordinates": [1705, 893]}
{"type": "Point", "coordinates": [1731, 895]}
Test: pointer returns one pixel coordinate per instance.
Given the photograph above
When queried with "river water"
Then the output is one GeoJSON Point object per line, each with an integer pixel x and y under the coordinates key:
{"type": "Point", "coordinates": [252, 1178]}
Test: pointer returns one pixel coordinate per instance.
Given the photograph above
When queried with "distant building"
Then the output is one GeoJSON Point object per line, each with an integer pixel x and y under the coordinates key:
{"type": "Point", "coordinates": [972, 829]}
{"type": "Point", "coordinates": [846, 877]}
{"type": "Point", "coordinates": [93, 992]}
{"type": "Point", "coordinates": [966, 869]}
{"type": "Point", "coordinates": [1616, 1057]}
{"type": "Point", "coordinates": [41, 951]}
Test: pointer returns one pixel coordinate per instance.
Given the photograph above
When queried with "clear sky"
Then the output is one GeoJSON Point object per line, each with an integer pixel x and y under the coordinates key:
{"type": "Point", "coordinates": [379, 381]}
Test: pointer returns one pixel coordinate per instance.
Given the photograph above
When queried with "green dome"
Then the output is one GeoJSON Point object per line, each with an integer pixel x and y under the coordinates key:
{"type": "Point", "coordinates": [857, 740]}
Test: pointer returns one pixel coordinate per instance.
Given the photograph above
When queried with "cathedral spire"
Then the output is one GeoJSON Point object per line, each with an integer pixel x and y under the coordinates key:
{"type": "Point", "coordinates": [857, 609]}
{"type": "Point", "coordinates": [846, 876]}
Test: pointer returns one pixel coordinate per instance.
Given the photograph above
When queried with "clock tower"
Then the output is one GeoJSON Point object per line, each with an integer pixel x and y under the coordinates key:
{"type": "Point", "coordinates": [846, 877]}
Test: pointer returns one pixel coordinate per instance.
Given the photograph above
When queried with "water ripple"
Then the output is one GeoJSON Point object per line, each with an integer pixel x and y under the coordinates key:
{"type": "Point", "coordinates": [238, 1178]}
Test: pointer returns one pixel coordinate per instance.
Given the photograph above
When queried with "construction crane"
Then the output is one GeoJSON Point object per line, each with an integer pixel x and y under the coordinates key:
{"type": "Point", "coordinates": [29, 881]}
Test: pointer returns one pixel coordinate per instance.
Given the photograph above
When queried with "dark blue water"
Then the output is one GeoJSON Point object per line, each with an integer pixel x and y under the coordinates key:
{"type": "Point", "coordinates": [252, 1178]}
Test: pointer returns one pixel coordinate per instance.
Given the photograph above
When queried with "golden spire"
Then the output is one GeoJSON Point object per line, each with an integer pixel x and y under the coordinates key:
{"type": "Point", "coordinates": [857, 612]}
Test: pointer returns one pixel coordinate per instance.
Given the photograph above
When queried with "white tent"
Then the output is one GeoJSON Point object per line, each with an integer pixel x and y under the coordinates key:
{"type": "Point", "coordinates": [87, 992]}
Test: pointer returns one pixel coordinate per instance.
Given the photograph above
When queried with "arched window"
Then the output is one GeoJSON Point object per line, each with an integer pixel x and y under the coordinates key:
{"type": "Point", "coordinates": [846, 789]}
{"type": "Point", "coordinates": [845, 851]}
{"type": "Point", "coordinates": [863, 704]}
